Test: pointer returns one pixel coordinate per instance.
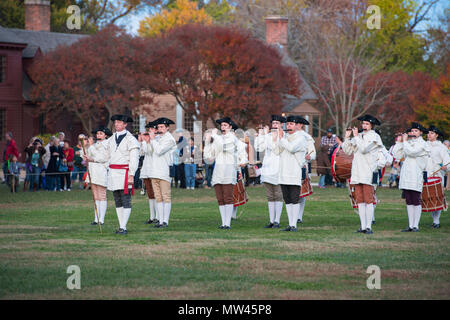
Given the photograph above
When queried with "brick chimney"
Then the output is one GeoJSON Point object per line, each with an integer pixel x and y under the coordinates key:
{"type": "Point", "coordinates": [37, 15]}
{"type": "Point", "coordinates": [277, 30]}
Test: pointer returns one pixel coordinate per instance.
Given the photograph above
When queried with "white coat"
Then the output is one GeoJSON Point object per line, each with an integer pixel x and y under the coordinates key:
{"type": "Point", "coordinates": [223, 149]}
{"type": "Point", "coordinates": [97, 171]}
{"type": "Point", "coordinates": [127, 153]}
{"type": "Point", "coordinates": [161, 150]}
{"type": "Point", "coordinates": [147, 163]}
{"type": "Point", "coordinates": [416, 153]}
{"type": "Point", "coordinates": [311, 148]}
{"type": "Point", "coordinates": [438, 157]}
{"type": "Point", "coordinates": [242, 156]}
{"type": "Point", "coordinates": [365, 149]}
{"type": "Point", "coordinates": [271, 162]}
{"type": "Point", "coordinates": [292, 151]}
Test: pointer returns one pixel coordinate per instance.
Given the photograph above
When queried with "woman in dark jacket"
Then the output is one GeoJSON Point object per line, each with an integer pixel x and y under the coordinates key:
{"type": "Point", "coordinates": [52, 170]}
{"type": "Point", "coordinates": [323, 163]}
{"type": "Point", "coordinates": [35, 152]}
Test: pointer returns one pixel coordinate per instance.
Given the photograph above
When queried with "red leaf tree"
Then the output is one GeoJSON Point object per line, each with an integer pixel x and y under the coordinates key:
{"type": "Point", "coordinates": [92, 79]}
{"type": "Point", "coordinates": [219, 71]}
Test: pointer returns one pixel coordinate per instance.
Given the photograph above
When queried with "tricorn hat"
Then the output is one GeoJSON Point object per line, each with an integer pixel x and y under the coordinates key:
{"type": "Point", "coordinates": [102, 129]}
{"type": "Point", "coordinates": [416, 125]}
{"type": "Point", "coordinates": [276, 117]}
{"type": "Point", "coordinates": [234, 126]}
{"type": "Point", "coordinates": [294, 119]}
{"type": "Point", "coordinates": [370, 119]}
{"type": "Point", "coordinates": [165, 121]}
{"type": "Point", "coordinates": [226, 120]}
{"type": "Point", "coordinates": [121, 117]}
{"type": "Point", "coordinates": [302, 120]}
{"type": "Point", "coordinates": [151, 124]}
{"type": "Point", "coordinates": [435, 130]}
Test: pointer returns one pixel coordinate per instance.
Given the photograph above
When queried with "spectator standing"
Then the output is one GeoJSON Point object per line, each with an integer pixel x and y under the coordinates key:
{"type": "Point", "coordinates": [190, 167]}
{"type": "Point", "coordinates": [52, 169]}
{"type": "Point", "coordinates": [35, 153]}
{"type": "Point", "coordinates": [329, 140]}
{"type": "Point", "coordinates": [323, 163]}
{"type": "Point", "coordinates": [11, 148]}
{"type": "Point", "coordinates": [68, 161]}
{"type": "Point", "coordinates": [209, 167]}
{"type": "Point", "coordinates": [79, 168]}
{"type": "Point", "coordinates": [13, 172]}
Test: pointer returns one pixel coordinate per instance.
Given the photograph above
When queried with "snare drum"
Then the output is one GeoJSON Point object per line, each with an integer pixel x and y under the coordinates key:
{"type": "Point", "coordinates": [306, 189]}
{"type": "Point", "coordinates": [239, 194]}
{"type": "Point", "coordinates": [433, 198]}
{"type": "Point", "coordinates": [341, 165]}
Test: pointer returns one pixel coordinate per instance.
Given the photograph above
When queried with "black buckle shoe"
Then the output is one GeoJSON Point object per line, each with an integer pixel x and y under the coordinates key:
{"type": "Point", "coordinates": [299, 221]}
{"type": "Point", "coordinates": [407, 230]}
{"type": "Point", "coordinates": [94, 223]}
{"type": "Point", "coordinates": [415, 230]}
{"type": "Point", "coordinates": [270, 225]}
{"type": "Point", "coordinates": [221, 227]}
{"type": "Point", "coordinates": [157, 225]}
{"type": "Point", "coordinates": [293, 229]}
{"type": "Point", "coordinates": [288, 228]}
{"type": "Point", "coordinates": [164, 225]}
{"type": "Point", "coordinates": [432, 225]}
{"type": "Point", "coordinates": [121, 231]}
{"type": "Point", "coordinates": [437, 226]}
{"type": "Point", "coordinates": [276, 225]}
{"type": "Point", "coordinates": [360, 230]}
{"type": "Point", "coordinates": [226, 227]}
{"type": "Point", "coordinates": [149, 221]}
{"type": "Point", "coordinates": [368, 231]}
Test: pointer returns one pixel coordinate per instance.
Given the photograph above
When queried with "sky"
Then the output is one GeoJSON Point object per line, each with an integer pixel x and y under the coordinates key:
{"type": "Point", "coordinates": [132, 22]}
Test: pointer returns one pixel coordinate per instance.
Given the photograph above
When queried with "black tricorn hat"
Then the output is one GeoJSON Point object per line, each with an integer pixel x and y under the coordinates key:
{"type": "Point", "coordinates": [234, 126]}
{"type": "Point", "coordinates": [416, 125]}
{"type": "Point", "coordinates": [293, 119]}
{"type": "Point", "coordinates": [371, 119]}
{"type": "Point", "coordinates": [226, 120]}
{"type": "Point", "coordinates": [165, 121]}
{"type": "Point", "coordinates": [121, 117]}
{"type": "Point", "coordinates": [276, 117]}
{"type": "Point", "coordinates": [302, 120]}
{"type": "Point", "coordinates": [435, 130]}
{"type": "Point", "coordinates": [151, 124]}
{"type": "Point", "coordinates": [102, 129]}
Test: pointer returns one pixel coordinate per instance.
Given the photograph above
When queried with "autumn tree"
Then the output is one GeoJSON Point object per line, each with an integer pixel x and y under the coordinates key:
{"type": "Point", "coordinates": [91, 79]}
{"type": "Point", "coordinates": [180, 12]}
{"type": "Point", "coordinates": [217, 71]}
{"type": "Point", "coordinates": [436, 110]}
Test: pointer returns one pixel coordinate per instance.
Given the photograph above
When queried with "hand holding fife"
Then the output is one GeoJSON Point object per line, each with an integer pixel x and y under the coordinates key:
{"type": "Point", "coordinates": [405, 137]}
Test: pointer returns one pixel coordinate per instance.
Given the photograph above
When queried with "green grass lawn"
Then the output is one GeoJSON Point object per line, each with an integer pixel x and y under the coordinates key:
{"type": "Point", "coordinates": [43, 233]}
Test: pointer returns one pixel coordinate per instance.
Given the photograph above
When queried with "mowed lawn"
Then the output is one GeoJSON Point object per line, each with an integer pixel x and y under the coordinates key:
{"type": "Point", "coordinates": [43, 233]}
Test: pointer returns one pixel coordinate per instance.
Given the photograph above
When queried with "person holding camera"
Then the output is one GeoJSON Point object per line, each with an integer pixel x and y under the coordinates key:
{"type": "Point", "coordinates": [365, 147]}
{"type": "Point", "coordinates": [35, 154]}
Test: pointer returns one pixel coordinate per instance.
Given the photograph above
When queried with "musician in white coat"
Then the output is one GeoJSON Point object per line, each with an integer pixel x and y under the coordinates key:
{"type": "Point", "coordinates": [242, 161]}
{"type": "Point", "coordinates": [161, 149]}
{"type": "Point", "coordinates": [365, 147]}
{"type": "Point", "coordinates": [416, 152]}
{"type": "Point", "coordinates": [438, 163]}
{"type": "Point", "coordinates": [122, 154]}
{"type": "Point", "coordinates": [145, 173]}
{"type": "Point", "coordinates": [265, 142]}
{"type": "Point", "coordinates": [310, 155]}
{"type": "Point", "coordinates": [291, 147]}
{"type": "Point", "coordinates": [223, 148]}
{"type": "Point", "coordinates": [98, 172]}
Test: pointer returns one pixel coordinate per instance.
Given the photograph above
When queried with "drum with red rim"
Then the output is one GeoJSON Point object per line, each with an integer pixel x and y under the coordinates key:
{"type": "Point", "coordinates": [433, 197]}
{"type": "Point", "coordinates": [341, 165]}
{"type": "Point", "coordinates": [306, 189]}
{"type": "Point", "coordinates": [239, 194]}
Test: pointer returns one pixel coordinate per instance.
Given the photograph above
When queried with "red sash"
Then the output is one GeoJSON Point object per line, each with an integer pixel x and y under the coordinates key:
{"type": "Point", "coordinates": [124, 167]}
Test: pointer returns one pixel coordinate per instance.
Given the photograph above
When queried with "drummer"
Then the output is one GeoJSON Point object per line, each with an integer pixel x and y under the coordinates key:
{"type": "Point", "coordinates": [310, 155]}
{"type": "Point", "coordinates": [438, 163]}
{"type": "Point", "coordinates": [242, 161]}
{"type": "Point", "coordinates": [364, 146]}
{"type": "Point", "coordinates": [416, 152]}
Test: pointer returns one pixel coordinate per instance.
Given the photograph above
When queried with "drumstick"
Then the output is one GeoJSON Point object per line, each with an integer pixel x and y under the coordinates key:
{"type": "Point", "coordinates": [439, 170]}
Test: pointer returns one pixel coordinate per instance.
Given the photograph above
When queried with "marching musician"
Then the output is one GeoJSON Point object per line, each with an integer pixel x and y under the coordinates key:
{"type": "Point", "coordinates": [122, 153]}
{"type": "Point", "coordinates": [265, 142]}
{"type": "Point", "coordinates": [223, 148]}
{"type": "Point", "coordinates": [242, 161]}
{"type": "Point", "coordinates": [291, 147]}
{"type": "Point", "coordinates": [416, 152]}
{"type": "Point", "coordinates": [160, 145]}
{"type": "Point", "coordinates": [98, 172]}
{"type": "Point", "coordinates": [438, 163]}
{"type": "Point", "coordinates": [364, 146]}
{"type": "Point", "coordinates": [145, 172]}
{"type": "Point", "coordinates": [310, 155]}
